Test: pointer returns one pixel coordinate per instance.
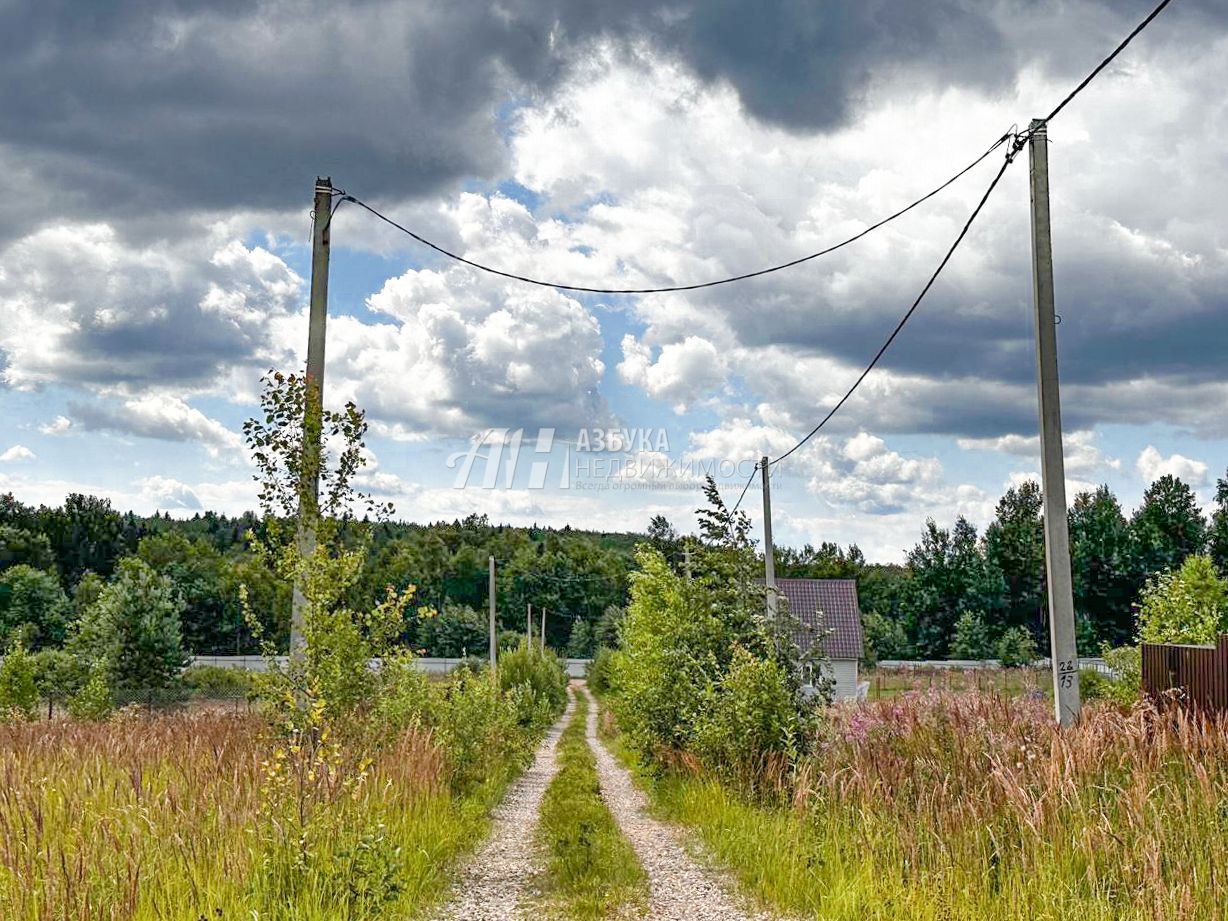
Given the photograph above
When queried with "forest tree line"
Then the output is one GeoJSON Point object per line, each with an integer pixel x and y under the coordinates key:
{"type": "Point", "coordinates": [958, 593]}
{"type": "Point", "coordinates": [54, 561]}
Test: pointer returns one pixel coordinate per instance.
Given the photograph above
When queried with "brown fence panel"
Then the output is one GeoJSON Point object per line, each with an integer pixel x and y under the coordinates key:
{"type": "Point", "coordinates": [1198, 673]}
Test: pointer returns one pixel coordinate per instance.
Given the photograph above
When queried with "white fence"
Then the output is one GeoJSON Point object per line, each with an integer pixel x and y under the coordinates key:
{"type": "Point", "coordinates": [576, 668]}
{"type": "Point", "coordinates": [1091, 662]}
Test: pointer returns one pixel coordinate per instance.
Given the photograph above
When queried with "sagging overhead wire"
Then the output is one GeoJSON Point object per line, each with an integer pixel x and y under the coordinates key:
{"type": "Point", "coordinates": [583, 289]}
{"type": "Point", "coordinates": [1017, 143]}
{"type": "Point", "coordinates": [1016, 146]}
{"type": "Point", "coordinates": [910, 311]}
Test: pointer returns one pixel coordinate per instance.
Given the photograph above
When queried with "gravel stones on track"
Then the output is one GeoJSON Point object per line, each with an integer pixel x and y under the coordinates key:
{"type": "Point", "coordinates": [491, 886]}
{"type": "Point", "coordinates": [680, 888]}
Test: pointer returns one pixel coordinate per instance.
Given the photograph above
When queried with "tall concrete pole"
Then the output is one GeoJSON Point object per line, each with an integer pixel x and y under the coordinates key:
{"type": "Point", "coordinates": [1063, 652]}
{"type": "Point", "coordinates": [494, 644]}
{"type": "Point", "coordinates": [543, 636]}
{"type": "Point", "coordinates": [309, 486]}
{"type": "Point", "coordinates": [528, 626]}
{"type": "Point", "coordinates": [769, 549]}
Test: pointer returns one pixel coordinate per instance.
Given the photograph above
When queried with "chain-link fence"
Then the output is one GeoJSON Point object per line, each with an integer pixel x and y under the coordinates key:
{"type": "Point", "coordinates": [161, 700]}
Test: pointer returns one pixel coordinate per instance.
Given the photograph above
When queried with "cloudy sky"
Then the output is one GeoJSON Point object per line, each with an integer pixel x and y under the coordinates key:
{"type": "Point", "coordinates": [154, 252]}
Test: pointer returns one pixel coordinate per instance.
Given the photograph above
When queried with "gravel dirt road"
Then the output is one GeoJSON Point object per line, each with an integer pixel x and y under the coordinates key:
{"type": "Point", "coordinates": [681, 889]}
{"type": "Point", "coordinates": [491, 886]}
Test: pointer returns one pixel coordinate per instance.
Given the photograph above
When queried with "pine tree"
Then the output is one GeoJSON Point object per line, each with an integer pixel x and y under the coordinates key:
{"type": "Point", "coordinates": [134, 628]}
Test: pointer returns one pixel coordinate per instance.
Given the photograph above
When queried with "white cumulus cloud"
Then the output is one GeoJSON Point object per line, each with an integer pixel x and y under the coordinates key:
{"type": "Point", "coordinates": [1152, 465]}
{"type": "Point", "coordinates": [17, 453]}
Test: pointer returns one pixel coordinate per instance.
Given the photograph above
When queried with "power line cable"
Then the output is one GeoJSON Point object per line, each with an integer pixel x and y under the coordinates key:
{"type": "Point", "coordinates": [563, 286]}
{"type": "Point", "coordinates": [749, 480]}
{"type": "Point", "coordinates": [908, 313]}
{"type": "Point", "coordinates": [1016, 145]}
{"type": "Point", "coordinates": [1107, 61]}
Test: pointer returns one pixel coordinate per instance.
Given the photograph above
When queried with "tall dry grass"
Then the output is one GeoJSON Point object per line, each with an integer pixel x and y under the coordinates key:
{"type": "Point", "coordinates": [167, 817]}
{"type": "Point", "coordinates": [965, 805]}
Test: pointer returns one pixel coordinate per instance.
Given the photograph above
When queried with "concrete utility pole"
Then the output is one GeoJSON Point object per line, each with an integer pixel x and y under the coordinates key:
{"type": "Point", "coordinates": [1063, 653]}
{"type": "Point", "coordinates": [309, 488]}
{"type": "Point", "coordinates": [543, 636]}
{"type": "Point", "coordinates": [686, 560]}
{"type": "Point", "coordinates": [528, 626]}
{"type": "Point", "coordinates": [769, 550]}
{"type": "Point", "coordinates": [494, 644]}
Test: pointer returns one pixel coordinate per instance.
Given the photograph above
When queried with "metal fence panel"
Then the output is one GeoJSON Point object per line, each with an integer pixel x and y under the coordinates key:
{"type": "Point", "coordinates": [1195, 675]}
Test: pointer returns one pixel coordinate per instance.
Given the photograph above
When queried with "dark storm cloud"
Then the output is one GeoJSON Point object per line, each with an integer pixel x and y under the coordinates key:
{"type": "Point", "coordinates": [125, 108]}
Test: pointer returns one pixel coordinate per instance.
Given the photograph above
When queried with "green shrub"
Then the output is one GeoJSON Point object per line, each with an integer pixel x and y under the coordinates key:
{"type": "Point", "coordinates": [1016, 648]}
{"type": "Point", "coordinates": [95, 701]}
{"type": "Point", "coordinates": [18, 690]}
{"type": "Point", "coordinates": [670, 645]}
{"type": "Point", "coordinates": [406, 696]}
{"type": "Point", "coordinates": [216, 681]}
{"type": "Point", "coordinates": [884, 639]}
{"type": "Point", "coordinates": [580, 642]}
{"type": "Point", "coordinates": [455, 632]}
{"type": "Point", "coordinates": [134, 628]}
{"type": "Point", "coordinates": [1094, 684]}
{"type": "Point", "coordinates": [971, 639]}
{"type": "Point", "coordinates": [477, 728]}
{"type": "Point", "coordinates": [34, 608]}
{"type": "Point", "coordinates": [749, 721]}
{"type": "Point", "coordinates": [1186, 606]}
{"type": "Point", "coordinates": [540, 684]}
{"type": "Point", "coordinates": [1127, 685]}
{"type": "Point", "coordinates": [59, 674]}
{"type": "Point", "coordinates": [600, 671]}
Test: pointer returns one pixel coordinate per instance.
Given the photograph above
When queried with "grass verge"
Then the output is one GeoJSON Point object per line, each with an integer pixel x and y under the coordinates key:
{"type": "Point", "coordinates": [592, 871]}
{"type": "Point", "coordinates": [966, 807]}
{"type": "Point", "coordinates": [166, 818]}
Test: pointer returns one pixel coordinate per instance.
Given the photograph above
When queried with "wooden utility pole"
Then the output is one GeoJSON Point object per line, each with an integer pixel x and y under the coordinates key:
{"type": "Point", "coordinates": [313, 409]}
{"type": "Point", "coordinates": [769, 550]}
{"type": "Point", "coordinates": [494, 642]}
{"type": "Point", "coordinates": [1062, 650]}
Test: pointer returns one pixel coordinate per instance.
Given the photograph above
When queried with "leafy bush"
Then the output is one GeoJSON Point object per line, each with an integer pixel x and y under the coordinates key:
{"type": "Point", "coordinates": [455, 632]}
{"type": "Point", "coordinates": [35, 608]}
{"type": "Point", "coordinates": [216, 681]}
{"type": "Point", "coordinates": [1186, 606]}
{"type": "Point", "coordinates": [1016, 648]}
{"type": "Point", "coordinates": [971, 639]}
{"type": "Point", "coordinates": [671, 646]}
{"type": "Point", "coordinates": [18, 690]}
{"type": "Point", "coordinates": [580, 643]}
{"type": "Point", "coordinates": [749, 723]}
{"type": "Point", "coordinates": [95, 700]}
{"type": "Point", "coordinates": [884, 638]}
{"type": "Point", "coordinates": [539, 682]}
{"type": "Point", "coordinates": [1125, 686]}
{"type": "Point", "coordinates": [600, 671]}
{"type": "Point", "coordinates": [687, 643]}
{"type": "Point", "coordinates": [59, 674]}
{"type": "Point", "coordinates": [1127, 662]}
{"type": "Point", "coordinates": [477, 728]}
{"type": "Point", "coordinates": [406, 696]}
